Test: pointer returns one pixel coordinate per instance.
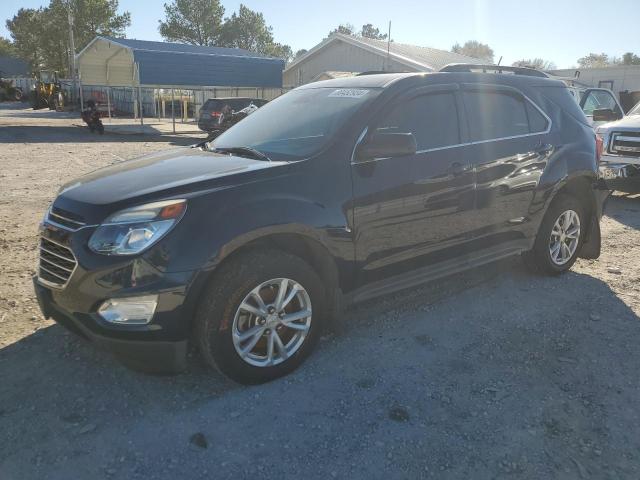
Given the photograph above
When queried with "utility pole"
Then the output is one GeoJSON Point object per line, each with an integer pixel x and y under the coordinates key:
{"type": "Point", "coordinates": [388, 44]}
{"type": "Point", "coordinates": [72, 52]}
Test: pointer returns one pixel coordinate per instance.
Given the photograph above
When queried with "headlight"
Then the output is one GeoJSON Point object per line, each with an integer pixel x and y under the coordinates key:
{"type": "Point", "coordinates": [133, 230]}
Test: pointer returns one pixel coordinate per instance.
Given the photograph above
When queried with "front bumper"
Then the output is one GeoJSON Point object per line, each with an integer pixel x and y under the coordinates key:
{"type": "Point", "coordinates": [160, 345]}
{"type": "Point", "coordinates": [142, 347]}
{"type": "Point", "coordinates": [621, 173]}
{"type": "Point", "coordinates": [133, 350]}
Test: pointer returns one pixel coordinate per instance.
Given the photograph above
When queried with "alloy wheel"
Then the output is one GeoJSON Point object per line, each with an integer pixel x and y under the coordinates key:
{"type": "Point", "coordinates": [272, 322]}
{"type": "Point", "coordinates": [565, 236]}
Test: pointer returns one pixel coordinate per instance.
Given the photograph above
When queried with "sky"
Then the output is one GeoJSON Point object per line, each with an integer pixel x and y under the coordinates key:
{"type": "Point", "coordinates": [557, 30]}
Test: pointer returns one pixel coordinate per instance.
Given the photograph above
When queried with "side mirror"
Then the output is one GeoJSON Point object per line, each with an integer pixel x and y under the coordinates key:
{"type": "Point", "coordinates": [605, 115]}
{"type": "Point", "coordinates": [386, 145]}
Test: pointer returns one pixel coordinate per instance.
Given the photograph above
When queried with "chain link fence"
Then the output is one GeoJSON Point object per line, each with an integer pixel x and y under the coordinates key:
{"type": "Point", "coordinates": [181, 105]}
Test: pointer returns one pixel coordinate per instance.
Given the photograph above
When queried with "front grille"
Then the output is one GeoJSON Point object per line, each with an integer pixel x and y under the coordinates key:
{"type": "Point", "coordinates": [626, 143]}
{"type": "Point", "coordinates": [65, 219]}
{"type": "Point", "coordinates": [57, 263]}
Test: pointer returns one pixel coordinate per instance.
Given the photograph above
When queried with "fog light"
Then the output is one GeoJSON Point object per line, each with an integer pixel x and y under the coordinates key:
{"type": "Point", "coordinates": [129, 310]}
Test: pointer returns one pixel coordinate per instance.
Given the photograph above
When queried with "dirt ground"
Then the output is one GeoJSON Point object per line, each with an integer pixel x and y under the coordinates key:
{"type": "Point", "coordinates": [494, 373]}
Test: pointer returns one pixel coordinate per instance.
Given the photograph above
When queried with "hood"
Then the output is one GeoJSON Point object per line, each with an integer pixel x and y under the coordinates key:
{"type": "Point", "coordinates": [631, 122]}
{"type": "Point", "coordinates": [158, 172]}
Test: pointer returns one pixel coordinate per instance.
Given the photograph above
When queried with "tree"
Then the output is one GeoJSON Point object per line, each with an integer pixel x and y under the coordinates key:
{"type": "Point", "coordinates": [473, 48]}
{"type": "Point", "coordinates": [248, 29]}
{"type": "Point", "coordinates": [279, 50]}
{"type": "Point", "coordinates": [537, 63]}
{"type": "Point", "coordinates": [630, 58]}
{"type": "Point", "coordinates": [197, 22]}
{"type": "Point", "coordinates": [300, 52]}
{"type": "Point", "coordinates": [345, 29]}
{"type": "Point", "coordinates": [41, 36]}
{"type": "Point", "coordinates": [7, 49]}
{"type": "Point", "coordinates": [369, 31]}
{"type": "Point", "coordinates": [90, 18]}
{"type": "Point", "coordinates": [594, 60]}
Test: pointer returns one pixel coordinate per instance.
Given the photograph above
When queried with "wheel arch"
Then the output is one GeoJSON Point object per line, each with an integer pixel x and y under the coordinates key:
{"type": "Point", "coordinates": [582, 188]}
{"type": "Point", "coordinates": [298, 242]}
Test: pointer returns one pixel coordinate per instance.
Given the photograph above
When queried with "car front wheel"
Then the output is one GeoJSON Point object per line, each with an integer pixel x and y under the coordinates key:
{"type": "Point", "coordinates": [261, 316]}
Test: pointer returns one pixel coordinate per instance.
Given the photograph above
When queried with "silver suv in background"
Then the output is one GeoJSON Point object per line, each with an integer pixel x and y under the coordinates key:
{"type": "Point", "coordinates": [620, 160]}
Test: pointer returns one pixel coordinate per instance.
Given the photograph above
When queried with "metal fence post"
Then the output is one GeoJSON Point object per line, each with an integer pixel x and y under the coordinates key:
{"type": "Point", "coordinates": [173, 110]}
{"type": "Point", "coordinates": [140, 103]}
{"type": "Point", "coordinates": [109, 103]}
{"type": "Point", "coordinates": [81, 97]}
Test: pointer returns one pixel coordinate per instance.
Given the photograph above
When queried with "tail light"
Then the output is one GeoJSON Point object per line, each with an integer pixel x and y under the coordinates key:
{"type": "Point", "coordinates": [599, 147]}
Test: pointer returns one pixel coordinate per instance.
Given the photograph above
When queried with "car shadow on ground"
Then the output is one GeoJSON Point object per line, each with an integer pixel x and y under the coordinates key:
{"type": "Point", "coordinates": [74, 134]}
{"type": "Point", "coordinates": [619, 206]}
{"type": "Point", "coordinates": [438, 378]}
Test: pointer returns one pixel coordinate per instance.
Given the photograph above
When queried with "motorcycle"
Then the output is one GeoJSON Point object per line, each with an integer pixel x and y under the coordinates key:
{"type": "Point", "coordinates": [91, 117]}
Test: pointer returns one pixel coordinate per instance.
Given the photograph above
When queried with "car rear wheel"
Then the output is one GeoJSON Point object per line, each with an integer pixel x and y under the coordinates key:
{"type": "Point", "coordinates": [261, 316]}
{"type": "Point", "coordinates": [559, 238]}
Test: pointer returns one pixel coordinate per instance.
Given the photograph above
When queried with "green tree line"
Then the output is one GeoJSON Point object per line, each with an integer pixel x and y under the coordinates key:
{"type": "Point", "coordinates": [41, 36]}
{"type": "Point", "coordinates": [202, 22]}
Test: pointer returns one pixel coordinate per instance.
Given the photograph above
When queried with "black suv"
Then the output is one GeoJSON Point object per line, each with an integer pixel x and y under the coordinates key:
{"type": "Point", "coordinates": [334, 193]}
{"type": "Point", "coordinates": [212, 114]}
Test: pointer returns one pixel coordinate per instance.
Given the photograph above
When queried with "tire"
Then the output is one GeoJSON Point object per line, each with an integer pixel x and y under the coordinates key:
{"type": "Point", "coordinates": [541, 259]}
{"type": "Point", "coordinates": [221, 316]}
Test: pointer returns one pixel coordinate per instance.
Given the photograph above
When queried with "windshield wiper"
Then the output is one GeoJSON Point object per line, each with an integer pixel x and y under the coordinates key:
{"type": "Point", "coordinates": [246, 151]}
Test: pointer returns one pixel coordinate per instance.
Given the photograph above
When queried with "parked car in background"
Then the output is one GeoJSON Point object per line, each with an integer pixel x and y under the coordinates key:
{"type": "Point", "coordinates": [335, 193]}
{"type": "Point", "coordinates": [620, 163]}
{"type": "Point", "coordinates": [600, 106]}
{"type": "Point", "coordinates": [216, 114]}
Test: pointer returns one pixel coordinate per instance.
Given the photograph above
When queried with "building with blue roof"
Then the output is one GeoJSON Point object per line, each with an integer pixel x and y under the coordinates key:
{"type": "Point", "coordinates": [120, 62]}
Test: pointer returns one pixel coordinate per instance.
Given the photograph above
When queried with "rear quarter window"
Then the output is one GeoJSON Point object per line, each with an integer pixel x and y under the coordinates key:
{"type": "Point", "coordinates": [562, 98]}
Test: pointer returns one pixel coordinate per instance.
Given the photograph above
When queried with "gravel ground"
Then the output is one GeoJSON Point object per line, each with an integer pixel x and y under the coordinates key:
{"type": "Point", "coordinates": [494, 373]}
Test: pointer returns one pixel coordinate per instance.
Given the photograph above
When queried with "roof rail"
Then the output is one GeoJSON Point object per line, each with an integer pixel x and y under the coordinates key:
{"type": "Point", "coordinates": [475, 68]}
{"type": "Point", "coordinates": [373, 72]}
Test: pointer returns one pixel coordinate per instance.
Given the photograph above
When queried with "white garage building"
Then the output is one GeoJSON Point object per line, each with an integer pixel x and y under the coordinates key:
{"type": "Point", "coordinates": [341, 54]}
{"type": "Point", "coordinates": [623, 80]}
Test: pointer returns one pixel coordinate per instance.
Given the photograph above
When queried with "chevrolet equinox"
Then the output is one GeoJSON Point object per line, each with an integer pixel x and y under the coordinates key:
{"type": "Point", "coordinates": [336, 192]}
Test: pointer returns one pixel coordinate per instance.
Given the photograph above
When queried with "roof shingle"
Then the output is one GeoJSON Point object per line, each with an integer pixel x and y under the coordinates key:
{"type": "Point", "coordinates": [430, 57]}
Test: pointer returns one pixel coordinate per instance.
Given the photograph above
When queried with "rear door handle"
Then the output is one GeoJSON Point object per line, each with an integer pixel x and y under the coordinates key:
{"type": "Point", "coordinates": [456, 169]}
{"type": "Point", "coordinates": [544, 149]}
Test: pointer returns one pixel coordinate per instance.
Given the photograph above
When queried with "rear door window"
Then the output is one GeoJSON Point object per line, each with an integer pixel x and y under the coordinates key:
{"type": "Point", "coordinates": [494, 115]}
{"type": "Point", "coordinates": [431, 118]}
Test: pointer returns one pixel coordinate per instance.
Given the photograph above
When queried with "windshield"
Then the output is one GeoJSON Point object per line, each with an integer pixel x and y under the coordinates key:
{"type": "Point", "coordinates": [297, 124]}
{"type": "Point", "coordinates": [635, 110]}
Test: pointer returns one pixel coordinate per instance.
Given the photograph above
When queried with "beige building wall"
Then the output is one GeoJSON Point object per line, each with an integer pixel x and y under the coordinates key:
{"type": "Point", "coordinates": [623, 77]}
{"type": "Point", "coordinates": [340, 56]}
{"type": "Point", "coordinates": [102, 59]}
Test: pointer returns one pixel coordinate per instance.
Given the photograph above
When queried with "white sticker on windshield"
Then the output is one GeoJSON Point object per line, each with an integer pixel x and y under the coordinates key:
{"type": "Point", "coordinates": [349, 93]}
